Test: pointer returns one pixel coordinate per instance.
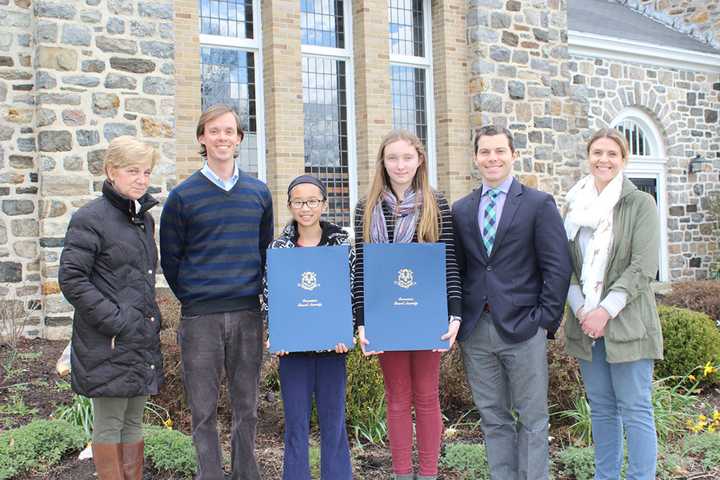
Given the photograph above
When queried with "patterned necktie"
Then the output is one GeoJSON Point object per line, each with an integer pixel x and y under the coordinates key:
{"type": "Point", "coordinates": [490, 220]}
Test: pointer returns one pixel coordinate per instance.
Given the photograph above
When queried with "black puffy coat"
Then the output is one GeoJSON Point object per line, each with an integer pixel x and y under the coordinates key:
{"type": "Point", "coordinates": [107, 272]}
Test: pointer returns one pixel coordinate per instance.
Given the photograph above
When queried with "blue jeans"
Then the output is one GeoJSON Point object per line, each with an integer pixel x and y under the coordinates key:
{"type": "Point", "coordinates": [620, 399]}
{"type": "Point", "coordinates": [301, 378]}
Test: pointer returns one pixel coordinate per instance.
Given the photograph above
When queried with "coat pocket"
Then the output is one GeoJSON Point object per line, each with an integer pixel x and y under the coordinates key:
{"type": "Point", "coordinates": [524, 299]}
{"type": "Point", "coordinates": [629, 325]}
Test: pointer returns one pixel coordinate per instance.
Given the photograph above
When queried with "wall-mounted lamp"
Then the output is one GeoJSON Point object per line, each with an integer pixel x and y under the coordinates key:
{"type": "Point", "coordinates": [696, 164]}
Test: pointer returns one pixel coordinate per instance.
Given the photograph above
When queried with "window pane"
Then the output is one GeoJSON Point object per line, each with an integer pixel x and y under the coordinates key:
{"type": "Point", "coordinates": [636, 138]}
{"type": "Point", "coordinates": [408, 100]}
{"type": "Point", "coordinates": [326, 131]}
{"type": "Point", "coordinates": [406, 27]}
{"type": "Point", "coordinates": [321, 22]}
{"type": "Point", "coordinates": [228, 76]}
{"type": "Point", "coordinates": [229, 18]}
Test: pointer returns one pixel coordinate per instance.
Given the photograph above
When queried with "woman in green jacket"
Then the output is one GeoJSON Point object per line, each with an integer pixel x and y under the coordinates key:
{"type": "Point", "coordinates": [613, 328]}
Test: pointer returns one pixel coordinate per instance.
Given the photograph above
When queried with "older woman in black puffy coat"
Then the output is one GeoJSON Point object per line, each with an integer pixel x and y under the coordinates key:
{"type": "Point", "coordinates": [107, 272]}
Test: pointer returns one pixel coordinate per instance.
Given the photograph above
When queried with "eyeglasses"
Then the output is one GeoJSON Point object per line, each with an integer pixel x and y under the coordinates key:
{"type": "Point", "coordinates": [311, 204]}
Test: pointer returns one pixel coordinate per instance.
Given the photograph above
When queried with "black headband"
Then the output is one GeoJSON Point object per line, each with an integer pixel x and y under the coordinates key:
{"type": "Point", "coordinates": [308, 179]}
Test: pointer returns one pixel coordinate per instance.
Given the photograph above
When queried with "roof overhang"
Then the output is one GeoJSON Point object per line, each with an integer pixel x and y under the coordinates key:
{"type": "Point", "coordinates": [601, 46]}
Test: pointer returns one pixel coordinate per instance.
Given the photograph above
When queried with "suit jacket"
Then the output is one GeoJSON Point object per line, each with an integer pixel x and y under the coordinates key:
{"type": "Point", "coordinates": [526, 277]}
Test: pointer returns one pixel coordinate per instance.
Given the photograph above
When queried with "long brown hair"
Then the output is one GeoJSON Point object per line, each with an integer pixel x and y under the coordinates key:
{"type": "Point", "coordinates": [427, 228]}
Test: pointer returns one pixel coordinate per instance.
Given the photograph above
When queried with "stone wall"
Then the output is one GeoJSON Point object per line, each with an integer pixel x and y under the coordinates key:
{"type": "Point", "coordinates": [697, 18]}
{"type": "Point", "coordinates": [519, 78]}
{"type": "Point", "coordinates": [19, 182]}
{"type": "Point", "coordinates": [75, 74]}
{"type": "Point", "coordinates": [684, 106]}
{"type": "Point", "coordinates": [81, 74]}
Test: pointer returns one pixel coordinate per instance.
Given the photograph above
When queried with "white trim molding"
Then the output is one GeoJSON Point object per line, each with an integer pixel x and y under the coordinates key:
{"type": "Point", "coordinates": [652, 166]}
{"type": "Point", "coordinates": [601, 46]}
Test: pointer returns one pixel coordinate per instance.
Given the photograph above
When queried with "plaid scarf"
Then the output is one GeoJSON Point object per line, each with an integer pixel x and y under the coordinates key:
{"type": "Point", "coordinates": [406, 213]}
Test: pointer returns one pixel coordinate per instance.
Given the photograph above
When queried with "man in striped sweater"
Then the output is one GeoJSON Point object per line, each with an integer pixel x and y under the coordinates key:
{"type": "Point", "coordinates": [214, 232]}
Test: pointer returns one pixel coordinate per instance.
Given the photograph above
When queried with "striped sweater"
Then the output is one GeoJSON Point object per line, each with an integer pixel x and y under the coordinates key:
{"type": "Point", "coordinates": [452, 275]}
{"type": "Point", "coordinates": [213, 243]}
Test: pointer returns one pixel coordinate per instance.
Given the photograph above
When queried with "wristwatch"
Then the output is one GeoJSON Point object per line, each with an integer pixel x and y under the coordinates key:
{"type": "Point", "coordinates": [455, 317]}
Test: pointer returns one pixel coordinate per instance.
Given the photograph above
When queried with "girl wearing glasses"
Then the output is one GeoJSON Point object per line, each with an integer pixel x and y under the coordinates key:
{"type": "Point", "coordinates": [402, 208]}
{"type": "Point", "coordinates": [307, 374]}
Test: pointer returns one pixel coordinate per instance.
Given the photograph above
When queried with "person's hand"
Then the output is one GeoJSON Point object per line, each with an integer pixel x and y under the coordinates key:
{"type": "Point", "coordinates": [580, 315]}
{"type": "Point", "coordinates": [341, 348]}
{"type": "Point", "coordinates": [594, 323]}
{"type": "Point", "coordinates": [364, 342]}
{"type": "Point", "coordinates": [453, 328]}
{"type": "Point", "coordinates": [279, 354]}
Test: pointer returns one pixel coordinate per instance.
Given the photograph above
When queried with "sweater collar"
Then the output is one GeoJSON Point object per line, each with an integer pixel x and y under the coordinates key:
{"type": "Point", "coordinates": [126, 205]}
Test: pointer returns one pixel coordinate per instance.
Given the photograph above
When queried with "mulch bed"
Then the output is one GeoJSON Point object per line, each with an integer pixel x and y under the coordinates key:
{"type": "Point", "coordinates": [34, 389]}
{"type": "Point", "coordinates": [33, 380]}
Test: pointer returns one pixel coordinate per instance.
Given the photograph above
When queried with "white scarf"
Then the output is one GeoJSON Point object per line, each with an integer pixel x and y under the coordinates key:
{"type": "Point", "coordinates": [587, 208]}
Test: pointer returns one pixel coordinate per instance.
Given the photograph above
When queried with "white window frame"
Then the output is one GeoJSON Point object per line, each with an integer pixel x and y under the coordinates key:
{"type": "Point", "coordinates": [345, 54]}
{"type": "Point", "coordinates": [426, 64]}
{"type": "Point", "coordinates": [253, 45]}
{"type": "Point", "coordinates": [653, 166]}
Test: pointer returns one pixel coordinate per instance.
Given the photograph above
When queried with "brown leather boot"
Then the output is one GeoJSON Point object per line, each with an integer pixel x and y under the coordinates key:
{"type": "Point", "coordinates": [133, 458]}
{"type": "Point", "coordinates": [108, 461]}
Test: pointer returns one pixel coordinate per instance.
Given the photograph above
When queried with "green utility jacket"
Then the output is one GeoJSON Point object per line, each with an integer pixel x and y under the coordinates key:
{"type": "Point", "coordinates": [633, 263]}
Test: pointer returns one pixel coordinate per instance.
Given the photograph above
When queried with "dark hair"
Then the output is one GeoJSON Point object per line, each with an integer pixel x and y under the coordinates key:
{"type": "Point", "coordinates": [211, 114]}
{"type": "Point", "coordinates": [307, 179]}
{"type": "Point", "coordinates": [491, 131]}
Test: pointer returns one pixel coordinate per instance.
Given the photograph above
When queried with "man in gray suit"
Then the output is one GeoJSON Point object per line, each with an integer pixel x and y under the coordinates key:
{"type": "Point", "coordinates": [515, 265]}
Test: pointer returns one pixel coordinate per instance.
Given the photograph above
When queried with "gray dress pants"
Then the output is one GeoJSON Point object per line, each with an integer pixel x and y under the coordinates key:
{"type": "Point", "coordinates": [510, 379]}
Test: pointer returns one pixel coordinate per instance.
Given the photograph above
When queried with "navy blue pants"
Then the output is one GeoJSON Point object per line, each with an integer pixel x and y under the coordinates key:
{"type": "Point", "coordinates": [301, 377]}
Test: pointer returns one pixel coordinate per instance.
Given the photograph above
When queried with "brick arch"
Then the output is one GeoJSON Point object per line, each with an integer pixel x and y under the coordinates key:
{"type": "Point", "coordinates": [665, 119]}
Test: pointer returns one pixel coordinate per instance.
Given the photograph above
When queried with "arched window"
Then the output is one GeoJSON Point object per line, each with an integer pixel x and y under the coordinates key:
{"type": "Point", "coordinates": [636, 137]}
{"type": "Point", "coordinates": [646, 168]}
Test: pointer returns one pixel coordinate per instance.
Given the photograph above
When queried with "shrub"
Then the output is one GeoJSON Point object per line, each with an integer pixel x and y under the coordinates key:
{"type": "Point", "coordinates": [705, 445]}
{"type": "Point", "coordinates": [701, 296]}
{"type": "Point", "coordinates": [577, 463]}
{"type": "Point", "coordinates": [455, 393]}
{"type": "Point", "coordinates": [564, 384]}
{"type": "Point", "coordinates": [691, 340]}
{"type": "Point", "coordinates": [37, 445]}
{"type": "Point", "coordinates": [468, 459]}
{"type": "Point", "coordinates": [365, 398]}
{"type": "Point", "coordinates": [170, 450]}
{"type": "Point", "coordinates": [169, 308]}
{"type": "Point", "coordinates": [270, 373]}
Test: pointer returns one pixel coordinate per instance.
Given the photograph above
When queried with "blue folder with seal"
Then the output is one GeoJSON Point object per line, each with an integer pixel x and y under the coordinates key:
{"type": "Point", "coordinates": [405, 296]}
{"type": "Point", "coordinates": [309, 302]}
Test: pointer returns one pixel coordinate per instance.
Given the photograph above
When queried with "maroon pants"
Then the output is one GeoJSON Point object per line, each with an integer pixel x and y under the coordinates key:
{"type": "Point", "coordinates": [411, 379]}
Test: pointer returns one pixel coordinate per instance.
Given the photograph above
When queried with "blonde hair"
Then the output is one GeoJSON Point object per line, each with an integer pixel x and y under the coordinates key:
{"type": "Point", "coordinates": [125, 151]}
{"type": "Point", "coordinates": [427, 228]}
{"type": "Point", "coordinates": [614, 135]}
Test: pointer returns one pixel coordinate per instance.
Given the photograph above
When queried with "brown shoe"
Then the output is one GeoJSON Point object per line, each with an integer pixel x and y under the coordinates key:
{"type": "Point", "coordinates": [133, 458]}
{"type": "Point", "coordinates": [108, 461]}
